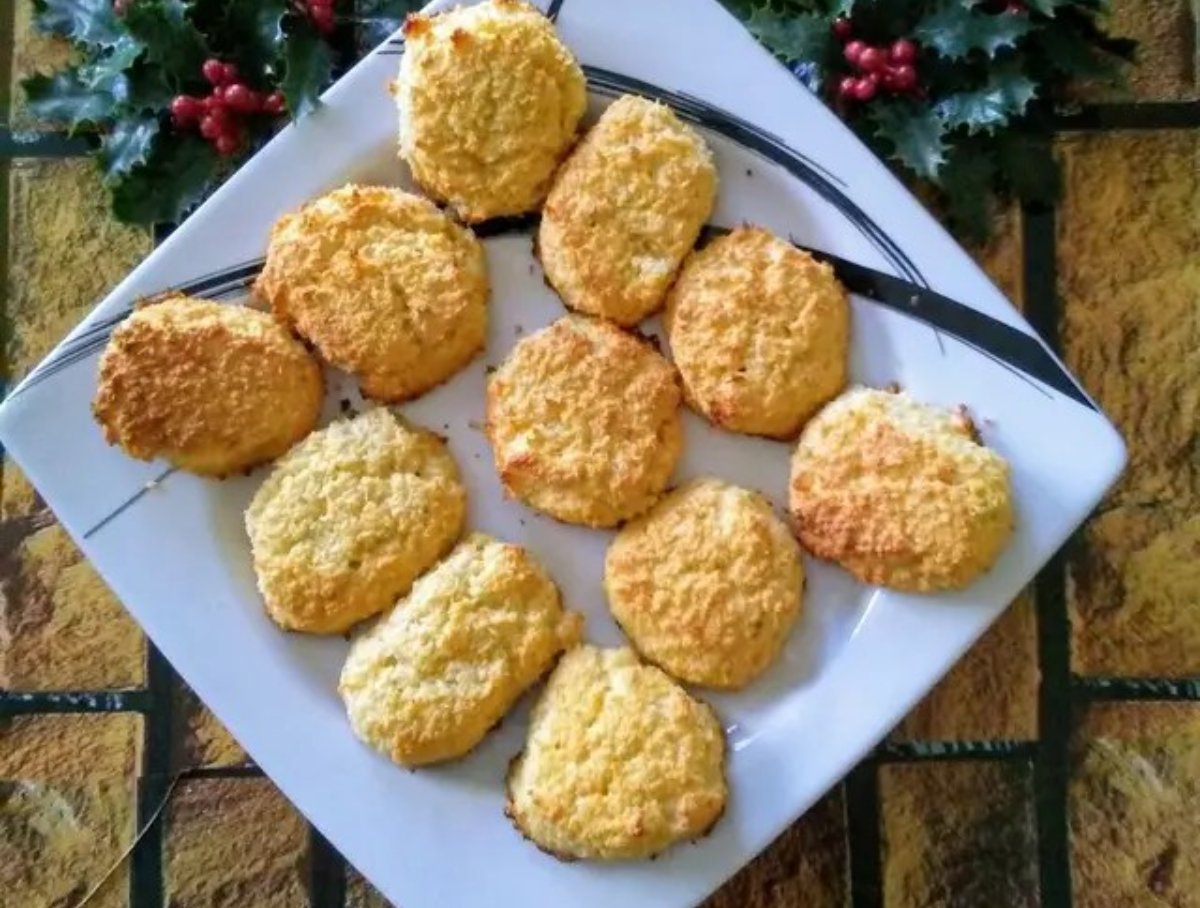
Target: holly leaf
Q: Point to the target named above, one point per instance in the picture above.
(956, 28)
(1046, 7)
(171, 40)
(126, 145)
(308, 66)
(149, 89)
(1070, 53)
(915, 133)
(795, 37)
(378, 20)
(68, 98)
(90, 22)
(1000, 100)
(174, 177)
(258, 27)
(967, 180)
(1027, 166)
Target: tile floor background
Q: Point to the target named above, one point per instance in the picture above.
(1058, 764)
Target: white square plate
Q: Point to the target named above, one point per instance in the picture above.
(177, 556)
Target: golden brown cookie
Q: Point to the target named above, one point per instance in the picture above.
(707, 584)
(385, 285)
(900, 493)
(213, 388)
(489, 102)
(625, 209)
(429, 680)
(759, 331)
(620, 761)
(350, 518)
(584, 422)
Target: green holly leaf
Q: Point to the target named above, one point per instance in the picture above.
(1003, 98)
(915, 134)
(149, 89)
(90, 22)
(1070, 53)
(178, 171)
(258, 27)
(967, 181)
(796, 37)
(67, 98)
(171, 40)
(1027, 166)
(1046, 7)
(109, 71)
(378, 20)
(127, 145)
(308, 66)
(957, 27)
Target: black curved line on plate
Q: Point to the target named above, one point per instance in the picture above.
(129, 502)
(215, 285)
(554, 9)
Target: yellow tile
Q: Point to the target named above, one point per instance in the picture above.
(201, 739)
(992, 693)
(958, 834)
(61, 628)
(1130, 286)
(67, 807)
(1135, 784)
(32, 53)
(804, 868)
(65, 253)
(234, 842)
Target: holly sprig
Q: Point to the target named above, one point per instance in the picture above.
(956, 93)
(173, 94)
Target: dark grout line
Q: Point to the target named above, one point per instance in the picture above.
(327, 872)
(35, 144)
(955, 751)
(111, 701)
(239, 771)
(146, 883)
(1053, 625)
(1109, 689)
(1143, 115)
(862, 833)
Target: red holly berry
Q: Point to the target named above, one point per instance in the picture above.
(121, 7)
(227, 143)
(865, 88)
(872, 60)
(239, 98)
(853, 51)
(214, 71)
(274, 103)
(842, 29)
(904, 78)
(902, 51)
(214, 125)
(1015, 6)
(846, 88)
(229, 74)
(186, 110)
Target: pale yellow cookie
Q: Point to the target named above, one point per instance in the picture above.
(584, 422)
(384, 285)
(707, 584)
(429, 680)
(350, 518)
(900, 493)
(760, 333)
(625, 209)
(489, 102)
(620, 762)
(213, 388)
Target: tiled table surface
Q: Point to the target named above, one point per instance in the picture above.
(1058, 764)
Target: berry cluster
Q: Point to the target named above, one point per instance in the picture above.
(892, 69)
(218, 115)
(320, 12)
